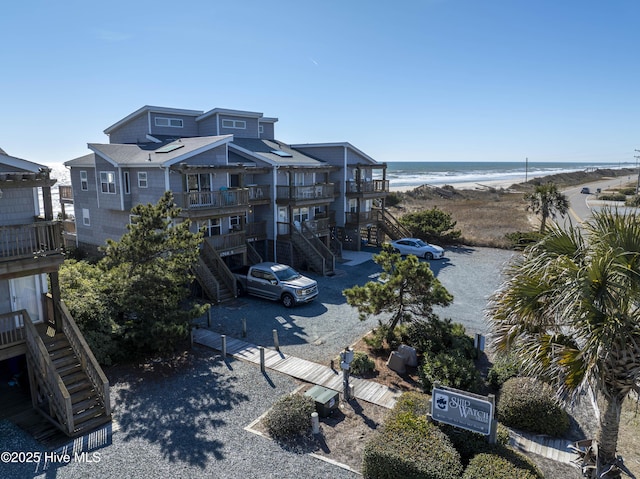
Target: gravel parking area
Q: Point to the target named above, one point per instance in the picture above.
(183, 420)
(318, 331)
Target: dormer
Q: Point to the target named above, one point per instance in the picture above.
(266, 128)
(156, 122)
(240, 124)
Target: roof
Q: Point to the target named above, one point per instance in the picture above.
(265, 150)
(344, 144)
(150, 154)
(19, 164)
(155, 109)
(225, 111)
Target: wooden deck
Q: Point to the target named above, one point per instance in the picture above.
(302, 369)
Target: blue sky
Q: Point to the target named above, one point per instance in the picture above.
(428, 80)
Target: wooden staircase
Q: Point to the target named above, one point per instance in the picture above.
(214, 276)
(68, 386)
(316, 261)
(391, 226)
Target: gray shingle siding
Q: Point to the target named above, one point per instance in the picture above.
(251, 130)
(189, 125)
(135, 131)
(208, 126)
(268, 131)
(17, 206)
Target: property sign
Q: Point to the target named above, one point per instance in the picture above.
(462, 409)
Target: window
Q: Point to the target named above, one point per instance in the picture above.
(235, 222)
(171, 122)
(261, 129)
(127, 183)
(237, 124)
(211, 227)
(86, 221)
(142, 179)
(108, 182)
(300, 215)
(84, 181)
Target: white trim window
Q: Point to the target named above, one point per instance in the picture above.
(235, 222)
(84, 180)
(170, 122)
(236, 124)
(86, 220)
(300, 215)
(142, 179)
(108, 182)
(127, 182)
(212, 227)
(261, 129)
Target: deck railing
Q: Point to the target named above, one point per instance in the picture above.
(27, 241)
(85, 356)
(216, 199)
(11, 329)
(307, 192)
(368, 186)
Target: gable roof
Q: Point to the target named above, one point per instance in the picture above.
(155, 109)
(19, 164)
(149, 154)
(344, 144)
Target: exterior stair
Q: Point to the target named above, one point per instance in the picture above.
(315, 259)
(391, 226)
(214, 276)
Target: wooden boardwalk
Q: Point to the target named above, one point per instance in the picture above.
(302, 369)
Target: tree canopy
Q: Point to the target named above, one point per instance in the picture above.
(407, 288)
(547, 201)
(144, 280)
(569, 309)
(431, 224)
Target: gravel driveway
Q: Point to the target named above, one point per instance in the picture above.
(318, 331)
(189, 421)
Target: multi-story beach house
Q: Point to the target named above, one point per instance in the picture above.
(42, 353)
(255, 197)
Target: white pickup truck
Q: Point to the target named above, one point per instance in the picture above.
(277, 282)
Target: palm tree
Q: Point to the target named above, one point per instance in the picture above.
(570, 309)
(546, 201)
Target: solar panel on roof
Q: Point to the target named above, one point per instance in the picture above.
(281, 153)
(169, 148)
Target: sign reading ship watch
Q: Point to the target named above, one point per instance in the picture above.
(462, 409)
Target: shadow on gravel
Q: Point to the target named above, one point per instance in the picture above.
(176, 404)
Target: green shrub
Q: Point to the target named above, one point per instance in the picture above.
(506, 464)
(469, 443)
(520, 240)
(627, 191)
(377, 341)
(361, 364)
(411, 447)
(453, 370)
(530, 405)
(432, 225)
(612, 197)
(439, 335)
(392, 199)
(290, 416)
(504, 367)
(633, 201)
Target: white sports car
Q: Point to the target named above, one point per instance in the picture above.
(417, 247)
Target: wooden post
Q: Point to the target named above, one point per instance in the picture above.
(276, 343)
(493, 431)
(223, 337)
(261, 358)
(244, 327)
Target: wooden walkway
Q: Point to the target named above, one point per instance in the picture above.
(302, 369)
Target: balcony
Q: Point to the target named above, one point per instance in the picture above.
(259, 194)
(222, 202)
(308, 194)
(364, 217)
(30, 245)
(368, 188)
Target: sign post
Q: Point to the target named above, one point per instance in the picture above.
(463, 409)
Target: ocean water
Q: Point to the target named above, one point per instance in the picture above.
(438, 173)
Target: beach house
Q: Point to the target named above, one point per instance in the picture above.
(43, 355)
(255, 197)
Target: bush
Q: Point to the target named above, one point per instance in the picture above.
(436, 335)
(409, 446)
(530, 405)
(449, 369)
(504, 367)
(361, 364)
(520, 240)
(378, 339)
(469, 443)
(432, 225)
(627, 191)
(612, 197)
(633, 201)
(290, 416)
(392, 199)
(505, 464)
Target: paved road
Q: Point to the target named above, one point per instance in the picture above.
(582, 205)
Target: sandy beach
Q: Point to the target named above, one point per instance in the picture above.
(468, 185)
